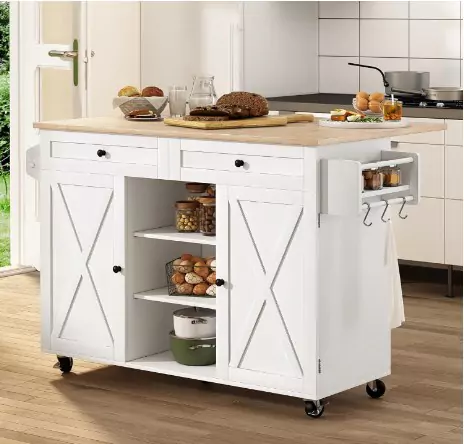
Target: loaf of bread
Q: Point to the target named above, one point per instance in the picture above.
(210, 110)
(129, 91)
(243, 104)
(152, 91)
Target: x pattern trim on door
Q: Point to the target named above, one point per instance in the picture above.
(84, 271)
(267, 278)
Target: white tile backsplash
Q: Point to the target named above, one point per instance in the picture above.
(371, 80)
(435, 39)
(338, 37)
(393, 35)
(344, 9)
(374, 41)
(383, 10)
(442, 72)
(335, 76)
(435, 10)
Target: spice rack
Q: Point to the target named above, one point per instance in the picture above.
(342, 183)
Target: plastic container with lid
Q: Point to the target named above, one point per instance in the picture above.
(391, 176)
(373, 179)
(208, 216)
(187, 216)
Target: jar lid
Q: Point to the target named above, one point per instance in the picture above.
(208, 201)
(187, 204)
(195, 187)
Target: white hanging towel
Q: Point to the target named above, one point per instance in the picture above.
(397, 309)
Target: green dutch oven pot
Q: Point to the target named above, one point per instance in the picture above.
(193, 351)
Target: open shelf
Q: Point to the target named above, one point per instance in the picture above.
(164, 363)
(389, 190)
(170, 233)
(162, 295)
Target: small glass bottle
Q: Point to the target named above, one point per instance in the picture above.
(391, 176)
(373, 179)
(208, 216)
(187, 216)
(392, 110)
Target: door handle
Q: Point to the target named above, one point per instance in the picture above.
(72, 56)
(63, 54)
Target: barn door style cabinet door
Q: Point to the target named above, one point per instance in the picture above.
(83, 284)
(269, 340)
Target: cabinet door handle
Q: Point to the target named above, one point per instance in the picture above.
(220, 282)
(117, 269)
(101, 153)
(239, 163)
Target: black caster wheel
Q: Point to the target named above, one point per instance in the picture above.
(64, 363)
(376, 389)
(314, 409)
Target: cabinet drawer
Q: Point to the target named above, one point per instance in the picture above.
(431, 170)
(453, 172)
(432, 138)
(104, 159)
(453, 133)
(453, 232)
(421, 236)
(242, 169)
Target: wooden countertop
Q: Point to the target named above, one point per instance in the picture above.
(299, 134)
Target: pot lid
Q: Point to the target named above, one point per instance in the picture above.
(195, 312)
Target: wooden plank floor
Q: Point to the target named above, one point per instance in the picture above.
(114, 405)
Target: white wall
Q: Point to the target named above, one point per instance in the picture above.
(392, 35)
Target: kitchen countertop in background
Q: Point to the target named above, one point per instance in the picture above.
(323, 103)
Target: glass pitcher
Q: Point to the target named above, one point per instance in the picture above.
(203, 92)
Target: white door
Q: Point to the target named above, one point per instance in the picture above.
(82, 304)
(268, 297)
(50, 87)
(54, 88)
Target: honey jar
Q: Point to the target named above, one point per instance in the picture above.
(391, 176)
(373, 179)
(392, 110)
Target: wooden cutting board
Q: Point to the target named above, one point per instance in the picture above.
(241, 123)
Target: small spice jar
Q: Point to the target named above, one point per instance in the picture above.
(373, 179)
(391, 176)
(187, 216)
(195, 190)
(208, 216)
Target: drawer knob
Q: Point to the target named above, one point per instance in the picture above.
(220, 282)
(101, 153)
(239, 163)
(117, 269)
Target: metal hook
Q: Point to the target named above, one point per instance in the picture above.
(402, 206)
(384, 211)
(367, 214)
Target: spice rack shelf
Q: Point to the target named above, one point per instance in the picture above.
(170, 233)
(384, 191)
(162, 295)
(342, 192)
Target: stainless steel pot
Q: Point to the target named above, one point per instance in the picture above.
(195, 323)
(440, 94)
(401, 82)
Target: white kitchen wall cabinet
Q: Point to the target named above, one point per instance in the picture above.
(420, 237)
(245, 45)
(453, 232)
(86, 298)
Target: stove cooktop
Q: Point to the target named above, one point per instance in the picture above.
(419, 102)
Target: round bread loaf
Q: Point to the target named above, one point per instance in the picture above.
(246, 104)
(129, 91)
(152, 91)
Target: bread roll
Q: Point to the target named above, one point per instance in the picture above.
(362, 95)
(185, 267)
(211, 278)
(377, 97)
(201, 269)
(186, 257)
(362, 104)
(200, 289)
(193, 278)
(184, 288)
(152, 91)
(375, 107)
(177, 278)
(129, 91)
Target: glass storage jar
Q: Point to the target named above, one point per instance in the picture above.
(208, 216)
(392, 110)
(196, 190)
(373, 179)
(391, 176)
(187, 216)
